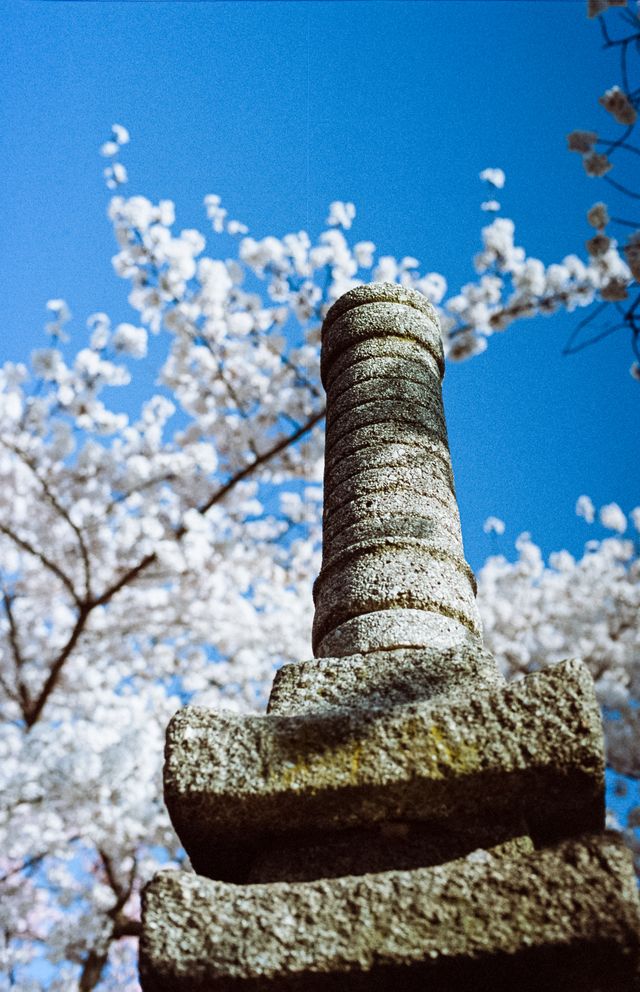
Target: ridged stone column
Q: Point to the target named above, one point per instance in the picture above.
(393, 569)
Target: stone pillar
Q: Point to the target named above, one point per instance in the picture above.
(401, 818)
(393, 568)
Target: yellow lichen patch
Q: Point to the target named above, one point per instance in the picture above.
(450, 755)
(412, 749)
(335, 766)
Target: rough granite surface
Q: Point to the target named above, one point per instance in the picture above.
(563, 918)
(376, 292)
(399, 455)
(533, 746)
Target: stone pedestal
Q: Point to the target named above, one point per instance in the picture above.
(400, 819)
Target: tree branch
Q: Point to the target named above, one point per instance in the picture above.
(147, 484)
(594, 340)
(121, 893)
(621, 188)
(583, 323)
(18, 659)
(54, 673)
(59, 508)
(127, 927)
(32, 861)
(44, 559)
(262, 459)
(92, 969)
(123, 926)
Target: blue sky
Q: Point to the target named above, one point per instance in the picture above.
(281, 107)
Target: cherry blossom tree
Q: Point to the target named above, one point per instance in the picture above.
(155, 559)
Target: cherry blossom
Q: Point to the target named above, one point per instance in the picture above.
(495, 177)
(612, 517)
(586, 509)
(494, 525)
(538, 612)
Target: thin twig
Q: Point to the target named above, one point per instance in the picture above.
(621, 188)
(594, 340)
(583, 323)
(18, 658)
(618, 144)
(626, 223)
(59, 508)
(257, 462)
(44, 559)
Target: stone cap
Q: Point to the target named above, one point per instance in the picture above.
(379, 299)
(380, 292)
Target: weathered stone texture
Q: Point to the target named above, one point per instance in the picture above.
(378, 318)
(534, 745)
(563, 918)
(379, 292)
(391, 531)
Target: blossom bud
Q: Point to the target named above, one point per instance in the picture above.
(598, 216)
(617, 103)
(585, 508)
(598, 245)
(595, 7)
(612, 517)
(596, 164)
(495, 177)
(466, 345)
(614, 291)
(581, 141)
(493, 525)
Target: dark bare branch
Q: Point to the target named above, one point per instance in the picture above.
(260, 460)
(92, 969)
(18, 659)
(127, 928)
(37, 704)
(59, 508)
(121, 497)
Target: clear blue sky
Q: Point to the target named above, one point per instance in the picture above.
(281, 107)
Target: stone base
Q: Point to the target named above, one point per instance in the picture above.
(234, 784)
(562, 918)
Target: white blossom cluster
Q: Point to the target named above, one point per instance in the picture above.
(276, 282)
(140, 569)
(203, 300)
(115, 174)
(536, 613)
(513, 286)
